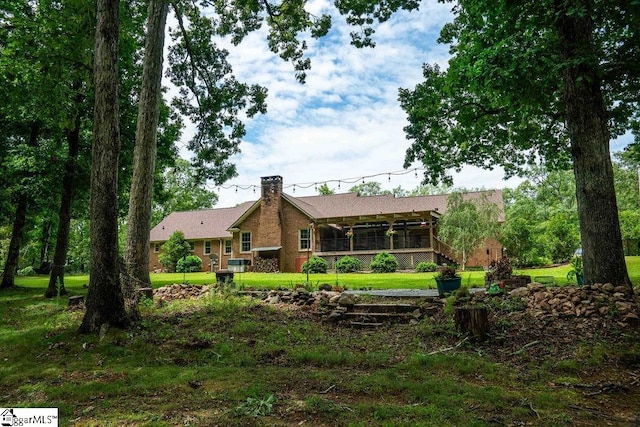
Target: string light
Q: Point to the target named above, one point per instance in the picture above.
(314, 184)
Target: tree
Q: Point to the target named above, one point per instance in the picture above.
(467, 224)
(547, 82)
(173, 250)
(105, 303)
(136, 253)
(325, 190)
(540, 218)
(181, 189)
(370, 188)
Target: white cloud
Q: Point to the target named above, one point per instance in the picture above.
(345, 123)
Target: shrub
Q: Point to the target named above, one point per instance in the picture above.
(384, 262)
(425, 267)
(189, 264)
(27, 271)
(315, 264)
(174, 250)
(348, 264)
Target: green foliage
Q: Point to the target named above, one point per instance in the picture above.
(348, 264)
(467, 223)
(256, 407)
(370, 188)
(384, 262)
(576, 269)
(190, 264)
(315, 264)
(174, 250)
(27, 271)
(541, 218)
(426, 267)
(447, 272)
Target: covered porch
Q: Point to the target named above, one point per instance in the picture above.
(411, 237)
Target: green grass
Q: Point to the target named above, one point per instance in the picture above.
(216, 360)
(399, 280)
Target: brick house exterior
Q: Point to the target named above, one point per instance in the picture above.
(284, 230)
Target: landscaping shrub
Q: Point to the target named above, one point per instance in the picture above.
(190, 264)
(384, 262)
(27, 271)
(426, 267)
(348, 264)
(315, 264)
(174, 250)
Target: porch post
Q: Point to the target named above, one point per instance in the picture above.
(431, 231)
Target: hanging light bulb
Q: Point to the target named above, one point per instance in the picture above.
(338, 185)
(389, 177)
(236, 188)
(415, 171)
(294, 188)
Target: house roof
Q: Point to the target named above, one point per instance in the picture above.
(202, 224)
(353, 205)
(214, 223)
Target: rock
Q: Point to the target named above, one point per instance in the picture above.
(621, 289)
(347, 299)
(335, 316)
(520, 292)
(608, 287)
(334, 299)
(273, 299)
(325, 287)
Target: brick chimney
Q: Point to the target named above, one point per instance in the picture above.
(270, 231)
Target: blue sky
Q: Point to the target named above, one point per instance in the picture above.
(345, 123)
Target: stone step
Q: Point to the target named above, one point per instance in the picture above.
(383, 308)
(363, 325)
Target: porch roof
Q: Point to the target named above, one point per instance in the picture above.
(340, 207)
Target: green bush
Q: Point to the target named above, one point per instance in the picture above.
(384, 262)
(190, 264)
(315, 264)
(27, 271)
(174, 250)
(426, 267)
(348, 264)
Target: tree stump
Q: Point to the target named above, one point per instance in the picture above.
(76, 300)
(146, 292)
(472, 320)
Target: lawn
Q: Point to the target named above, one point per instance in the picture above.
(399, 280)
(234, 361)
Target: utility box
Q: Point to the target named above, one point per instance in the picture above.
(238, 265)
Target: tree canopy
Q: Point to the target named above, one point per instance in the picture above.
(536, 83)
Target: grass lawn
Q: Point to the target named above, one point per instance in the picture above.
(398, 280)
(232, 361)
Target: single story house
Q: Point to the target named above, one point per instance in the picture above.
(280, 232)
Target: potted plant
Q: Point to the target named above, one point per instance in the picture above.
(447, 279)
(576, 273)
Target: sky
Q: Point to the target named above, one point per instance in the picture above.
(344, 126)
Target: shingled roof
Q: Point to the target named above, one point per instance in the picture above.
(202, 224)
(214, 223)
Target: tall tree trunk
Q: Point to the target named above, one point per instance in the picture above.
(46, 239)
(136, 252)
(11, 265)
(105, 304)
(64, 215)
(586, 118)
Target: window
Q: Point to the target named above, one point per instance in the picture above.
(227, 247)
(156, 248)
(304, 239)
(245, 242)
(192, 246)
(207, 247)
